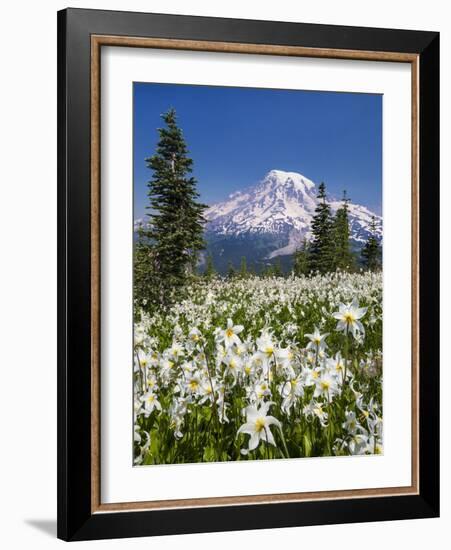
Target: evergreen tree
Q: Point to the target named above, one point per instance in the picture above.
(343, 258)
(143, 268)
(371, 252)
(209, 268)
(268, 270)
(174, 236)
(277, 269)
(231, 272)
(301, 260)
(321, 247)
(243, 267)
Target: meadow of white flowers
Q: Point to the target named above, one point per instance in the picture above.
(261, 368)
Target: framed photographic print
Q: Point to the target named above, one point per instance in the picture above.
(248, 274)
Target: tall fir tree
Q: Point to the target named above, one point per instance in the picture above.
(210, 271)
(321, 256)
(231, 271)
(343, 258)
(301, 260)
(174, 234)
(267, 271)
(277, 268)
(243, 267)
(371, 252)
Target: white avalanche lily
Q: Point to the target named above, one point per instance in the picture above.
(176, 351)
(193, 385)
(348, 316)
(194, 335)
(195, 365)
(265, 344)
(234, 364)
(290, 391)
(315, 409)
(150, 402)
(336, 366)
(326, 386)
(317, 340)
(230, 335)
(257, 426)
(357, 443)
(351, 425)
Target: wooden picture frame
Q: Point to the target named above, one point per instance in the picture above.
(81, 35)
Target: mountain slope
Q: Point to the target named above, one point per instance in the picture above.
(275, 215)
(269, 220)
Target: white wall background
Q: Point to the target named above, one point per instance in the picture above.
(28, 270)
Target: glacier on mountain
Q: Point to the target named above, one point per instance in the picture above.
(281, 204)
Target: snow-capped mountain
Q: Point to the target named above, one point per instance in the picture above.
(278, 210)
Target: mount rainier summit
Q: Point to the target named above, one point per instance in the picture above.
(272, 218)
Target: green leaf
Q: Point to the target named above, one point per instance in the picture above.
(154, 443)
(307, 445)
(209, 454)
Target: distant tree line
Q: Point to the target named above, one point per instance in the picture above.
(330, 246)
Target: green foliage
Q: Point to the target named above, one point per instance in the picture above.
(371, 252)
(321, 257)
(343, 258)
(143, 267)
(277, 269)
(267, 271)
(231, 271)
(243, 268)
(210, 271)
(329, 248)
(168, 247)
(301, 260)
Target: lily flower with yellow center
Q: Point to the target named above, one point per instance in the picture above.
(348, 316)
(193, 385)
(207, 391)
(291, 390)
(230, 335)
(326, 386)
(336, 366)
(194, 335)
(176, 350)
(249, 368)
(317, 340)
(351, 425)
(315, 410)
(150, 403)
(234, 364)
(265, 344)
(262, 390)
(257, 426)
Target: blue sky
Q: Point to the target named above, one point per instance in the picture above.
(236, 135)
